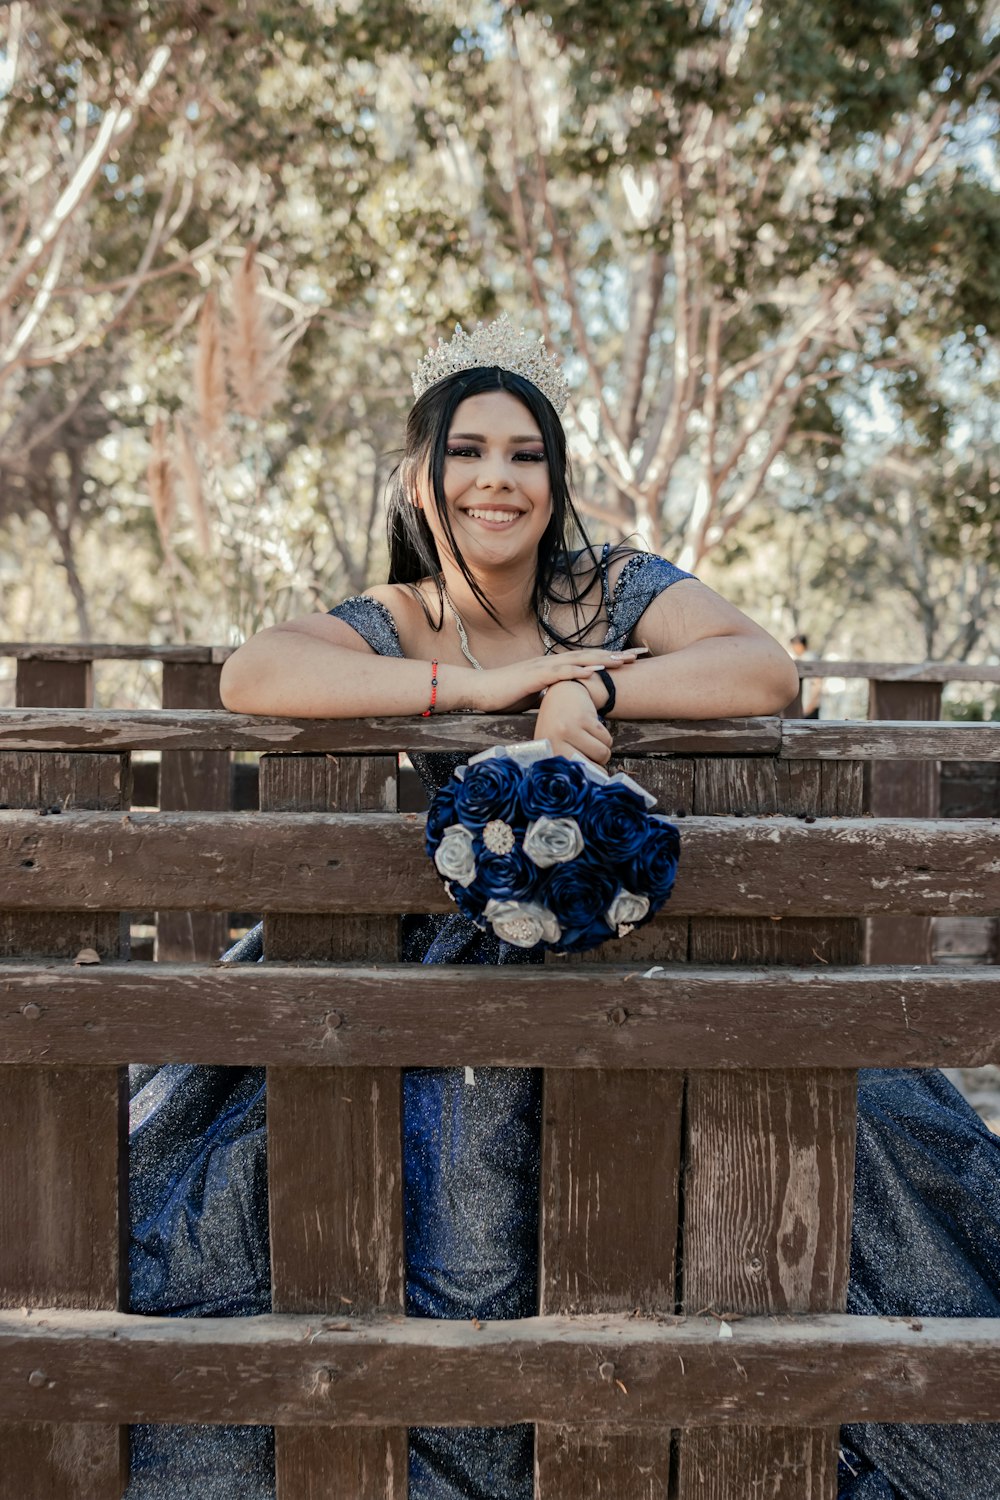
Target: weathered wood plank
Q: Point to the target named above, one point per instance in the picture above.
(901, 671)
(902, 789)
(580, 1017)
(91, 651)
(153, 729)
(798, 1463)
(611, 1146)
(51, 683)
(192, 780)
(157, 729)
(769, 1157)
(63, 1216)
(940, 671)
(284, 862)
(334, 1152)
(828, 739)
(771, 1372)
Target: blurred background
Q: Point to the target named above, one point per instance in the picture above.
(765, 236)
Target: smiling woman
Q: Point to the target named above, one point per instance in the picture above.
(496, 601)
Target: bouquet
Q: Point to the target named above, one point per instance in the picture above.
(549, 851)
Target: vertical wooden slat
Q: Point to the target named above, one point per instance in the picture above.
(192, 781)
(334, 1152)
(54, 684)
(610, 1172)
(769, 1157)
(63, 1215)
(903, 789)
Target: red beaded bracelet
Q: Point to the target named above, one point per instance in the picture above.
(434, 692)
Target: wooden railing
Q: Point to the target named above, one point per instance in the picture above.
(708, 1059)
(61, 676)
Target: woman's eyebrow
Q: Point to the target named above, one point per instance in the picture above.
(479, 437)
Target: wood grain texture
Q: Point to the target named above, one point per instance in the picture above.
(51, 683)
(63, 1213)
(367, 1373)
(158, 729)
(90, 651)
(902, 671)
(894, 671)
(283, 862)
(601, 1463)
(611, 1144)
(759, 1463)
(769, 1156)
(335, 1151)
(616, 1016)
(902, 789)
(192, 780)
(115, 729)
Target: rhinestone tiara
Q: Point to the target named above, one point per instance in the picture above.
(497, 343)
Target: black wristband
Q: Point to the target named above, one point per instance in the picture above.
(609, 683)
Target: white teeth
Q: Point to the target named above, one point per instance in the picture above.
(493, 515)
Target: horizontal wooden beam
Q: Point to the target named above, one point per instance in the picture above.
(880, 671)
(189, 729)
(790, 739)
(324, 862)
(596, 1016)
(109, 651)
(831, 739)
(622, 1371)
(901, 671)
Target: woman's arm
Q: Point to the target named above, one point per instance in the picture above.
(707, 661)
(318, 667)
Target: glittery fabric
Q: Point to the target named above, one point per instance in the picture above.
(926, 1243)
(926, 1225)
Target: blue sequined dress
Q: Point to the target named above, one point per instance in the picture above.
(926, 1229)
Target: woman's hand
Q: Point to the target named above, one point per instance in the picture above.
(568, 719)
(501, 689)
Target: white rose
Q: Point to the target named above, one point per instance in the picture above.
(522, 923)
(552, 841)
(626, 910)
(454, 855)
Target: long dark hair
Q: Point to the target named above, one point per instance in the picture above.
(413, 554)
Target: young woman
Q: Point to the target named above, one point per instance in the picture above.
(496, 602)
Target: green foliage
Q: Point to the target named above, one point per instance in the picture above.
(407, 164)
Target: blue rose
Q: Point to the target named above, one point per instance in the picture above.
(489, 790)
(615, 823)
(652, 868)
(578, 894)
(440, 815)
(555, 788)
(503, 877)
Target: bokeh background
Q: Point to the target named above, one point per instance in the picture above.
(765, 236)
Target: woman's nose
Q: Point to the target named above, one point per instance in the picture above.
(494, 475)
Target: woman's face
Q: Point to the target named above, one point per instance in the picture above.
(496, 482)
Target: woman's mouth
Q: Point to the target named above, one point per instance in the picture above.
(496, 520)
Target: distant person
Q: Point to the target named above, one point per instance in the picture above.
(811, 688)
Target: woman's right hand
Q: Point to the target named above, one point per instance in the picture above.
(503, 689)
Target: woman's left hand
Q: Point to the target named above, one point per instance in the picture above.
(568, 719)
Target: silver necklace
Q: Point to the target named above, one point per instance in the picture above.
(463, 637)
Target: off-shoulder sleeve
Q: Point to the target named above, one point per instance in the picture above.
(372, 621)
(640, 581)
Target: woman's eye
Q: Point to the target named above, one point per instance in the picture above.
(462, 452)
(532, 455)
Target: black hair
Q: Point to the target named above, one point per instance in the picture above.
(413, 554)
(801, 640)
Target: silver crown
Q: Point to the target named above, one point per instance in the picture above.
(497, 343)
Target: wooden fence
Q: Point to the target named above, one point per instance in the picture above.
(61, 676)
(707, 1061)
